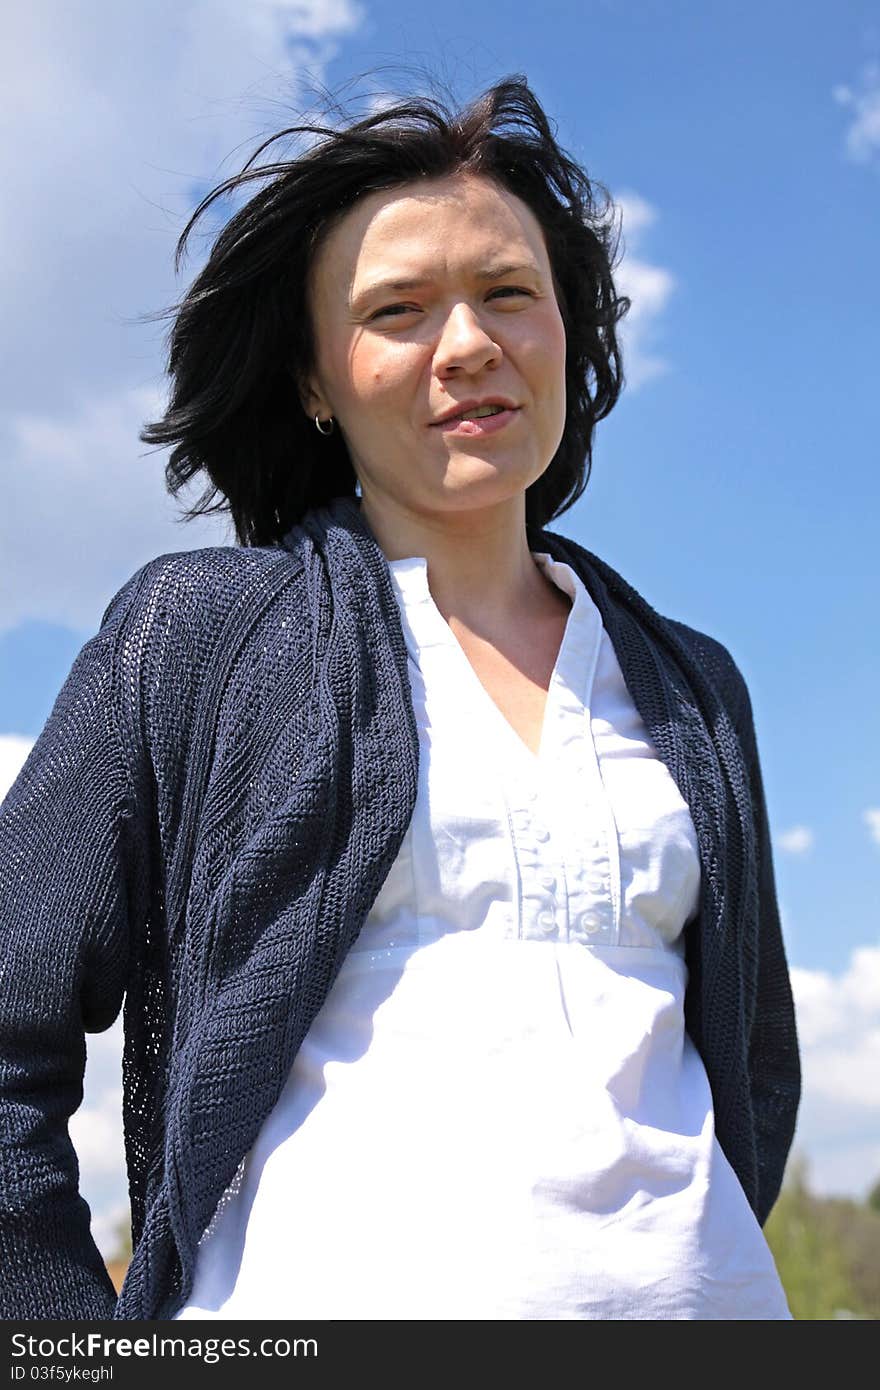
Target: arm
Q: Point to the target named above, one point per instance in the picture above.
(774, 1061)
(66, 877)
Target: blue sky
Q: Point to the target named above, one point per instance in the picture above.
(735, 484)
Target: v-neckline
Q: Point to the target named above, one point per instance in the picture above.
(443, 635)
(495, 714)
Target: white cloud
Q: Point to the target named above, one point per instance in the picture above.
(105, 510)
(109, 1226)
(871, 818)
(14, 748)
(846, 1170)
(797, 840)
(863, 133)
(839, 1030)
(96, 1133)
(648, 286)
(636, 214)
(123, 115)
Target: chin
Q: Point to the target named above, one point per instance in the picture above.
(476, 468)
(491, 480)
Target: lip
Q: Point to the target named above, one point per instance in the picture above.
(477, 429)
(460, 407)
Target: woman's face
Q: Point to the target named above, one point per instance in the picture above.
(426, 300)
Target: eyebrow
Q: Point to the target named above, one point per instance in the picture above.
(416, 282)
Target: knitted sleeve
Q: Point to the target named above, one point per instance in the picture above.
(66, 880)
(774, 1060)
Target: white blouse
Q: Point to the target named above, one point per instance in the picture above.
(497, 1113)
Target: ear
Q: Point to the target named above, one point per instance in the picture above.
(312, 398)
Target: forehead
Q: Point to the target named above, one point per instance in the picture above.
(428, 226)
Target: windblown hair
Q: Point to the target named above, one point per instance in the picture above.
(241, 341)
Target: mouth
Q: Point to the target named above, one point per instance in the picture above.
(480, 420)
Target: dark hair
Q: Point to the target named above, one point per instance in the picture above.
(241, 338)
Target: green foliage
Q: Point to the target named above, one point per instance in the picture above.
(827, 1251)
(813, 1273)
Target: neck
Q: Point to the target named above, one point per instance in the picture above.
(480, 568)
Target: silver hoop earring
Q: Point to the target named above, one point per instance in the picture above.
(319, 425)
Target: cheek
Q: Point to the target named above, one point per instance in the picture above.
(556, 356)
(546, 355)
(557, 340)
(379, 377)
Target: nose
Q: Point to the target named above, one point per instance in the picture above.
(464, 345)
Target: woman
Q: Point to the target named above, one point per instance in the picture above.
(431, 863)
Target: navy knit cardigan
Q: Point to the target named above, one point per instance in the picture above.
(200, 831)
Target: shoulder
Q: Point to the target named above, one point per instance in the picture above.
(718, 666)
(200, 588)
(183, 616)
(191, 625)
(672, 640)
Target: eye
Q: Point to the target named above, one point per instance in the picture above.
(508, 290)
(393, 310)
